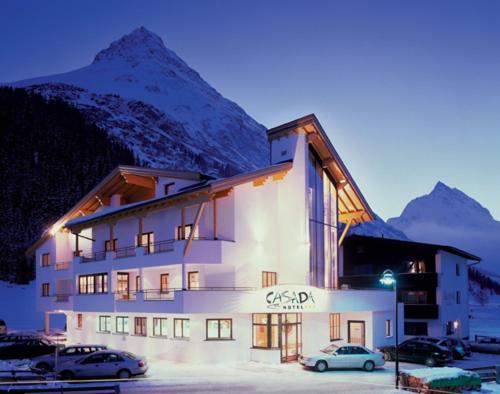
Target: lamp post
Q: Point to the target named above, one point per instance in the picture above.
(388, 279)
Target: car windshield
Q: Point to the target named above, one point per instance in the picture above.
(330, 349)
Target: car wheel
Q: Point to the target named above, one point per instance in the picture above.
(369, 366)
(388, 356)
(430, 362)
(124, 374)
(44, 367)
(67, 375)
(321, 366)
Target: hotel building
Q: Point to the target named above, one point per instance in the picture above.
(185, 267)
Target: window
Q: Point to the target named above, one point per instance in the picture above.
(415, 328)
(219, 329)
(458, 297)
(193, 280)
(449, 328)
(46, 260)
(182, 328)
(159, 327)
(45, 289)
(105, 323)
(79, 321)
(122, 281)
(138, 283)
(94, 283)
(147, 240)
(269, 278)
(265, 330)
(168, 188)
(416, 267)
(140, 326)
(414, 297)
(334, 326)
(457, 269)
(111, 246)
(388, 328)
(122, 324)
(164, 283)
(187, 232)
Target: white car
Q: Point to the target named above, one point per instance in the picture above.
(349, 356)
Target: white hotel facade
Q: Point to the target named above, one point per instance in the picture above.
(183, 267)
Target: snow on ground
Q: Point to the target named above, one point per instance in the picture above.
(431, 374)
(485, 320)
(19, 308)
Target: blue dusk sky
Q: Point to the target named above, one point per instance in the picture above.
(408, 91)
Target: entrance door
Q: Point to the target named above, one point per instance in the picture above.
(356, 332)
(291, 336)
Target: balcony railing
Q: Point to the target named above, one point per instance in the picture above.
(159, 247)
(125, 295)
(62, 265)
(421, 311)
(94, 256)
(158, 295)
(128, 251)
(62, 297)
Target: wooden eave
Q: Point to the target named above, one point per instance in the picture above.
(352, 205)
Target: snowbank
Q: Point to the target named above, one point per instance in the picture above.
(428, 375)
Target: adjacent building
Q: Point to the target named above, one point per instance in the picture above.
(185, 267)
(432, 280)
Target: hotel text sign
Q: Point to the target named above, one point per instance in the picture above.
(287, 299)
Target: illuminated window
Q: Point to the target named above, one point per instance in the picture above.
(147, 240)
(417, 267)
(105, 323)
(46, 260)
(334, 326)
(414, 297)
(94, 283)
(388, 328)
(265, 330)
(140, 326)
(159, 327)
(193, 280)
(269, 278)
(110, 246)
(45, 289)
(182, 328)
(138, 283)
(164, 278)
(122, 324)
(187, 232)
(219, 329)
(79, 321)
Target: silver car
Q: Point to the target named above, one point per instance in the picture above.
(69, 353)
(106, 363)
(349, 356)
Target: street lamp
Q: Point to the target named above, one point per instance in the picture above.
(388, 279)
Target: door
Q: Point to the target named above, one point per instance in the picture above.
(122, 285)
(356, 332)
(291, 336)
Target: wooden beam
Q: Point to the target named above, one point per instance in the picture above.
(222, 193)
(279, 176)
(194, 228)
(346, 217)
(260, 181)
(139, 180)
(344, 233)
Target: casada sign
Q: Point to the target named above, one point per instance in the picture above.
(292, 298)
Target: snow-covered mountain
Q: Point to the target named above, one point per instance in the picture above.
(378, 228)
(448, 216)
(142, 93)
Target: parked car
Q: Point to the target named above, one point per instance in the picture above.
(347, 356)
(105, 363)
(458, 347)
(9, 339)
(3, 327)
(27, 348)
(486, 345)
(419, 352)
(69, 353)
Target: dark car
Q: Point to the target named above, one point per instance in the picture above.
(458, 347)
(26, 349)
(419, 352)
(6, 340)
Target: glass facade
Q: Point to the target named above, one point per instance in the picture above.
(322, 204)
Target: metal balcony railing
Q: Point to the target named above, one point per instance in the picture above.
(158, 295)
(128, 251)
(62, 297)
(125, 295)
(93, 256)
(159, 247)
